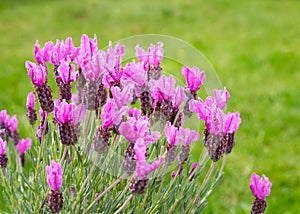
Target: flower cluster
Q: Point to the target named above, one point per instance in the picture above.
(104, 103)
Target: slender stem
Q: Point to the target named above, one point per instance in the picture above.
(64, 154)
(41, 146)
(122, 194)
(223, 165)
(103, 193)
(89, 175)
(209, 173)
(173, 207)
(124, 205)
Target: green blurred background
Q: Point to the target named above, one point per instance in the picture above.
(254, 47)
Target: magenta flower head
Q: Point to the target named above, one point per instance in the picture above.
(54, 175)
(221, 97)
(43, 55)
(188, 136)
(63, 111)
(112, 114)
(66, 71)
(37, 73)
(13, 123)
(172, 134)
(3, 147)
(260, 186)
(153, 56)
(30, 101)
(122, 97)
(194, 78)
(165, 87)
(142, 167)
(23, 145)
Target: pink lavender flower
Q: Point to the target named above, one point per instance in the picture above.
(153, 56)
(138, 128)
(194, 78)
(172, 134)
(188, 136)
(66, 71)
(122, 98)
(111, 114)
(221, 97)
(260, 186)
(178, 97)
(23, 145)
(43, 55)
(88, 48)
(4, 118)
(142, 167)
(37, 73)
(30, 101)
(165, 87)
(3, 147)
(134, 112)
(12, 124)
(54, 175)
(216, 120)
(135, 73)
(113, 72)
(63, 111)
(79, 112)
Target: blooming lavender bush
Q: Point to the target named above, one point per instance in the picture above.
(115, 138)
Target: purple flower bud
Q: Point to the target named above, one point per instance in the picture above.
(54, 175)
(173, 174)
(260, 187)
(195, 166)
(23, 145)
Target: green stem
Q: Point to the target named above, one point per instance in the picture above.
(124, 205)
(41, 147)
(103, 193)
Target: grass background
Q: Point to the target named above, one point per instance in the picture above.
(253, 45)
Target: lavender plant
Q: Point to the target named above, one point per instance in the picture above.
(116, 135)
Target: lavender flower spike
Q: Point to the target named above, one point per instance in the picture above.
(260, 187)
(55, 199)
(54, 175)
(31, 113)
